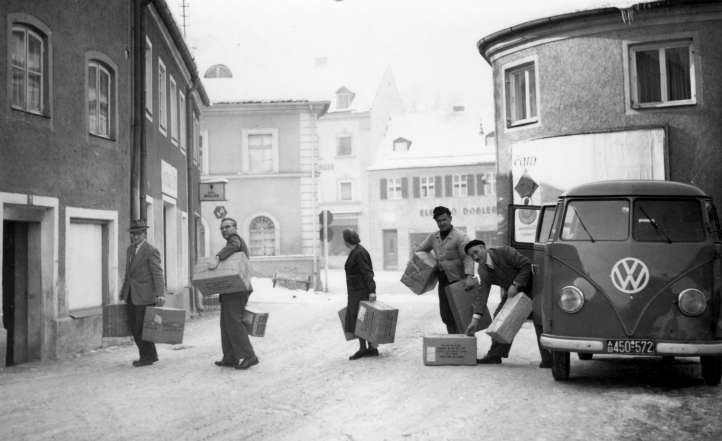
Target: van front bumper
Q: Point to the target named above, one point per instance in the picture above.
(568, 344)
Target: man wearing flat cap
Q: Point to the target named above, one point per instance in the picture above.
(143, 286)
(453, 264)
(511, 271)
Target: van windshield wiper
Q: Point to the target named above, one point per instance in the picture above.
(586, 230)
(654, 223)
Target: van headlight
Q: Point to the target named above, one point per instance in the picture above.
(571, 300)
(691, 302)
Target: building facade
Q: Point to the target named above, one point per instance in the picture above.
(349, 135)
(426, 160)
(607, 94)
(68, 157)
(265, 154)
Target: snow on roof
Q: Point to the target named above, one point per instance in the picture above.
(438, 139)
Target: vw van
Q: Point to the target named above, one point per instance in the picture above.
(629, 268)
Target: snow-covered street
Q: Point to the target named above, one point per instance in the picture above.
(305, 388)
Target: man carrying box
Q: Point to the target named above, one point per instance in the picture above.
(509, 269)
(448, 244)
(237, 349)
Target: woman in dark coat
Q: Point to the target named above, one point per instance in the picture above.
(360, 286)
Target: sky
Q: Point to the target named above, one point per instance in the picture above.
(430, 45)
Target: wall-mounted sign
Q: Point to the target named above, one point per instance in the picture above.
(169, 179)
(220, 212)
(213, 191)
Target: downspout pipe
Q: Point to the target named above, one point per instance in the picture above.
(138, 172)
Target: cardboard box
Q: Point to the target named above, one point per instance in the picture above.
(115, 320)
(421, 273)
(342, 316)
(449, 349)
(232, 275)
(460, 301)
(164, 325)
(376, 322)
(255, 322)
(509, 320)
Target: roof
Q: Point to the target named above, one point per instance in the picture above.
(317, 107)
(634, 187)
(438, 139)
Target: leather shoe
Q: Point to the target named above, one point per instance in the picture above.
(489, 359)
(358, 354)
(247, 362)
(224, 363)
(139, 363)
(372, 352)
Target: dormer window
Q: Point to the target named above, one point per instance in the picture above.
(401, 145)
(344, 97)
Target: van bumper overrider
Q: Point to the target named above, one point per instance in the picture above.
(662, 348)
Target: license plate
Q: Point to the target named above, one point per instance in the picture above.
(630, 347)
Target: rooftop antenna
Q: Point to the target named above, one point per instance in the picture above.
(184, 16)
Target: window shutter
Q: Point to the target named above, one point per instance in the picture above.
(437, 187)
(417, 187)
(449, 186)
(480, 184)
(404, 187)
(382, 187)
(470, 185)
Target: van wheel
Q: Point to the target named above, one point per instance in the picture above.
(711, 369)
(560, 365)
(585, 355)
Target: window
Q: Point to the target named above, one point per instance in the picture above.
(393, 188)
(460, 185)
(713, 220)
(427, 187)
(260, 150)
(100, 99)
(182, 121)
(148, 78)
(668, 221)
(28, 69)
(520, 93)
(173, 92)
(596, 220)
(343, 146)
(162, 100)
(197, 141)
(401, 145)
(345, 191)
(262, 237)
(662, 74)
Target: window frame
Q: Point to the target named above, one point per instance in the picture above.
(531, 121)
(350, 146)
(393, 189)
(173, 114)
(148, 80)
(661, 46)
(459, 182)
(571, 202)
(162, 98)
(182, 135)
(276, 234)
(101, 67)
(427, 183)
(340, 185)
(197, 142)
(245, 156)
(28, 30)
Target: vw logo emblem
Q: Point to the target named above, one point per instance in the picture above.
(630, 275)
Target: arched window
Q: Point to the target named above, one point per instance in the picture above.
(262, 234)
(27, 58)
(101, 99)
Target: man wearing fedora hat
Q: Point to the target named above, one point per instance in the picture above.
(143, 286)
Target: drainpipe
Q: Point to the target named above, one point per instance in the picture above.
(138, 172)
(190, 191)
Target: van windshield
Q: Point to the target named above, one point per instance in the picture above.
(668, 220)
(596, 220)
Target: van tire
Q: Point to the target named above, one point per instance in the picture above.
(711, 369)
(585, 355)
(560, 365)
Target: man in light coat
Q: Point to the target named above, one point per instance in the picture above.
(143, 286)
(453, 263)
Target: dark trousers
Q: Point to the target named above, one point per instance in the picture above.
(136, 315)
(502, 349)
(234, 336)
(444, 309)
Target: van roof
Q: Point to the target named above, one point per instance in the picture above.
(635, 187)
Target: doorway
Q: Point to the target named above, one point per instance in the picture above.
(21, 291)
(391, 253)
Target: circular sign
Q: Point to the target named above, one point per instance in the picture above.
(630, 275)
(220, 212)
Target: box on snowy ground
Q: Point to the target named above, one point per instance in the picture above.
(508, 321)
(255, 322)
(376, 322)
(460, 301)
(449, 349)
(421, 274)
(231, 275)
(342, 316)
(164, 325)
(115, 320)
